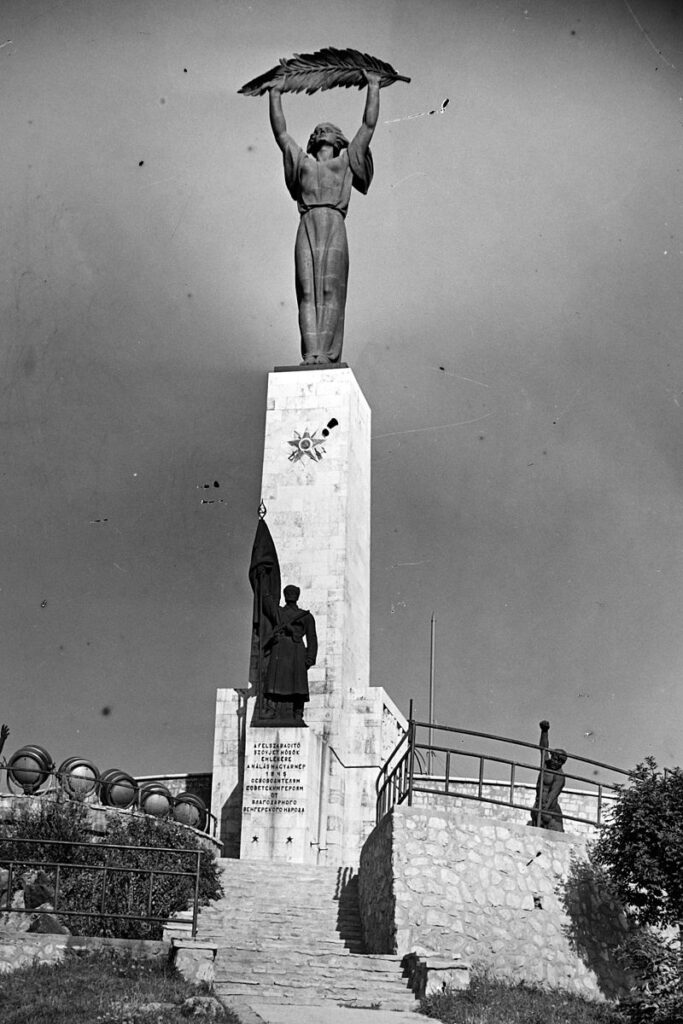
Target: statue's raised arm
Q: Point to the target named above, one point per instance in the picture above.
(320, 181)
(277, 117)
(371, 113)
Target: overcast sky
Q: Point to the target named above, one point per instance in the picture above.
(513, 318)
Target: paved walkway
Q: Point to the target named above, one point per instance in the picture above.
(323, 1013)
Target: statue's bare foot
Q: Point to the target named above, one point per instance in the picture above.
(310, 359)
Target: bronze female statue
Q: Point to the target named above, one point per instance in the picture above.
(320, 181)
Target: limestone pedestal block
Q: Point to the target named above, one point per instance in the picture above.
(316, 488)
(281, 795)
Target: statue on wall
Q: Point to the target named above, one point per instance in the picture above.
(320, 181)
(546, 812)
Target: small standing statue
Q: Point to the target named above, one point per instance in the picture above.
(320, 181)
(289, 658)
(546, 812)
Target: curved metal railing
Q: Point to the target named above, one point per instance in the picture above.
(419, 765)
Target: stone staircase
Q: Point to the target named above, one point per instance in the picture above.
(290, 933)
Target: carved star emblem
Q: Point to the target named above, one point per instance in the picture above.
(306, 445)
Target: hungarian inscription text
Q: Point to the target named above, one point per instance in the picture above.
(274, 779)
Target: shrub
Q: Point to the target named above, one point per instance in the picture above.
(128, 892)
(642, 845)
(657, 998)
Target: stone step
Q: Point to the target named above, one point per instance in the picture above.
(327, 916)
(294, 900)
(360, 961)
(386, 986)
(258, 942)
(311, 996)
(348, 989)
(284, 948)
(243, 910)
(277, 871)
(311, 936)
(264, 926)
(290, 933)
(240, 974)
(334, 967)
(280, 983)
(321, 923)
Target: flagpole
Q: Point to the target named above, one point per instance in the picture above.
(432, 639)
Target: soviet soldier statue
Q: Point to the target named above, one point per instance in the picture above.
(292, 649)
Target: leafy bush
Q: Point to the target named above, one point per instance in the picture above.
(642, 845)
(657, 998)
(128, 892)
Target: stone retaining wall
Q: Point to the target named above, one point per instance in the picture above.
(17, 949)
(520, 900)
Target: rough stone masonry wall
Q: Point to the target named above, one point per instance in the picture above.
(517, 899)
(18, 949)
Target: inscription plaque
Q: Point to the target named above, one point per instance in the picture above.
(280, 805)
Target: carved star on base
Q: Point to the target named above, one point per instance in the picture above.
(306, 445)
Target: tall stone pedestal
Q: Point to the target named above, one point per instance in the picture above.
(316, 489)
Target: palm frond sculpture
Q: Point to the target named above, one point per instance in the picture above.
(324, 69)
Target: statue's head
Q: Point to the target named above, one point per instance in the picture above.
(291, 592)
(557, 757)
(327, 133)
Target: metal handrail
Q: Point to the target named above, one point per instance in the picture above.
(398, 781)
(107, 868)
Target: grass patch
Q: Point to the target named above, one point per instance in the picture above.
(102, 987)
(490, 1001)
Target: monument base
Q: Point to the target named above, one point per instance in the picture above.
(330, 770)
(307, 795)
(281, 794)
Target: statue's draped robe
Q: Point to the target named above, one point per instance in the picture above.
(322, 191)
(289, 657)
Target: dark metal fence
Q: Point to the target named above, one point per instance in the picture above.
(419, 765)
(101, 874)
